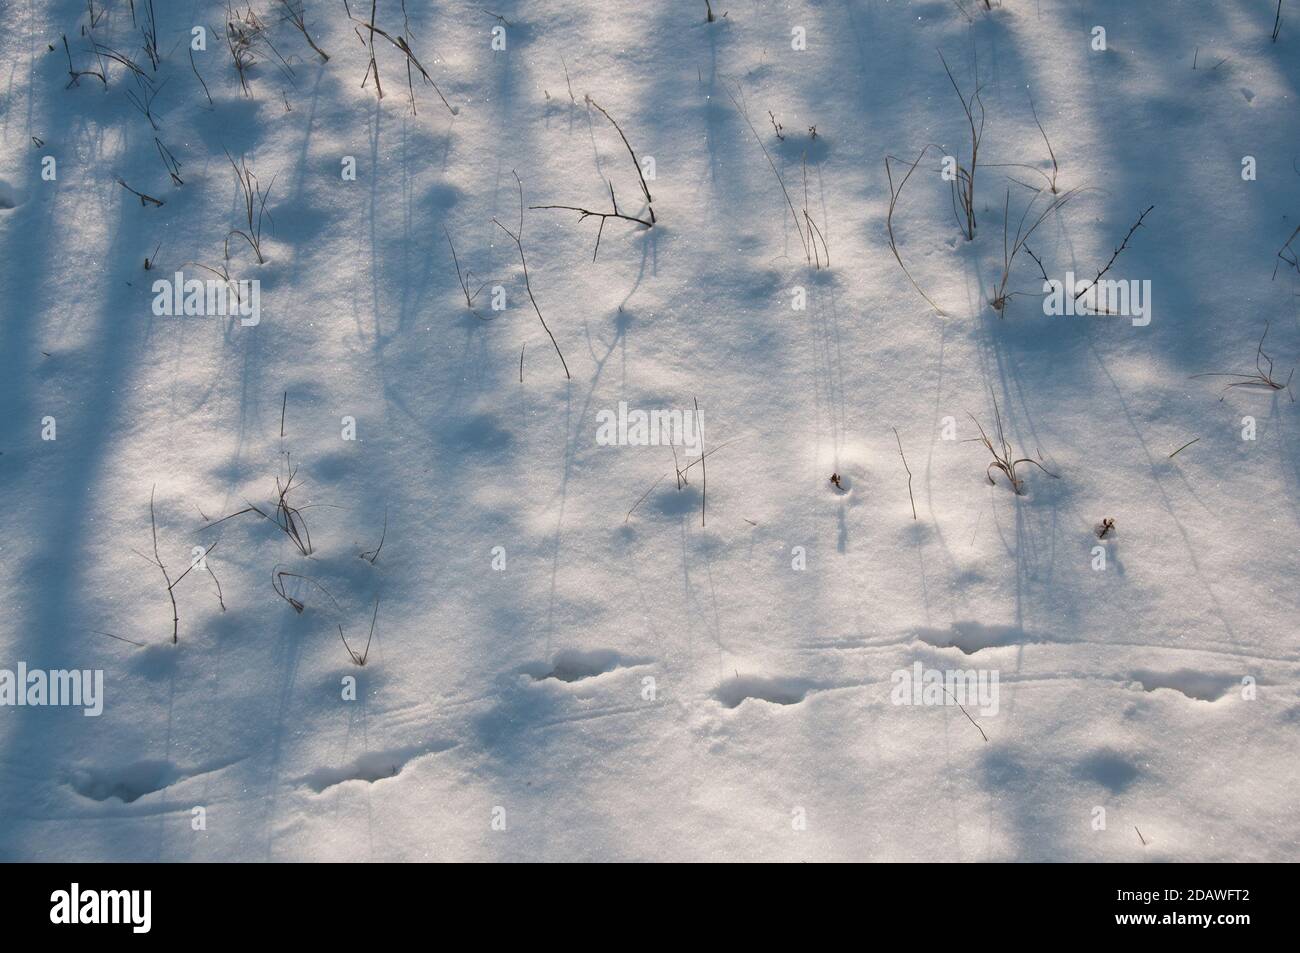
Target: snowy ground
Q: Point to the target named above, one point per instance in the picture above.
(645, 687)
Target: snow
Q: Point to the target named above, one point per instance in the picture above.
(550, 677)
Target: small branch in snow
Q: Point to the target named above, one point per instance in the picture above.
(517, 237)
(144, 199)
(909, 472)
(1261, 378)
(1115, 254)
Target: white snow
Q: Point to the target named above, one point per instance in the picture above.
(614, 687)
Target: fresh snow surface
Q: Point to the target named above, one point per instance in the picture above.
(551, 678)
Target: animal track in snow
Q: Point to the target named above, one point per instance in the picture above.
(372, 766)
(1110, 769)
(134, 781)
(1203, 686)
(574, 665)
(126, 784)
(970, 637)
(778, 691)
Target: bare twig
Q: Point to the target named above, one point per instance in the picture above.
(584, 213)
(294, 13)
(157, 561)
(963, 185)
(143, 100)
(1055, 168)
(1114, 255)
(518, 240)
(999, 296)
(567, 82)
(1288, 254)
(287, 517)
(814, 233)
(400, 42)
(76, 74)
(1003, 455)
(216, 581)
(909, 472)
(150, 31)
(645, 189)
(119, 638)
(360, 659)
(803, 238)
(200, 78)
(465, 278)
(1261, 378)
(371, 555)
(681, 473)
(965, 712)
(254, 202)
(107, 52)
(144, 199)
(169, 161)
(277, 583)
(643, 496)
(246, 39)
(894, 194)
(704, 470)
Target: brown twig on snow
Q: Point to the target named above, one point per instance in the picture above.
(966, 713)
(894, 195)
(157, 561)
(76, 74)
(1294, 260)
(254, 203)
(518, 240)
(360, 659)
(1000, 295)
(584, 213)
(803, 238)
(963, 185)
(295, 14)
(144, 199)
(287, 517)
(1003, 454)
(909, 472)
(371, 555)
(1115, 254)
(277, 583)
(465, 278)
(704, 470)
(400, 42)
(1261, 377)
